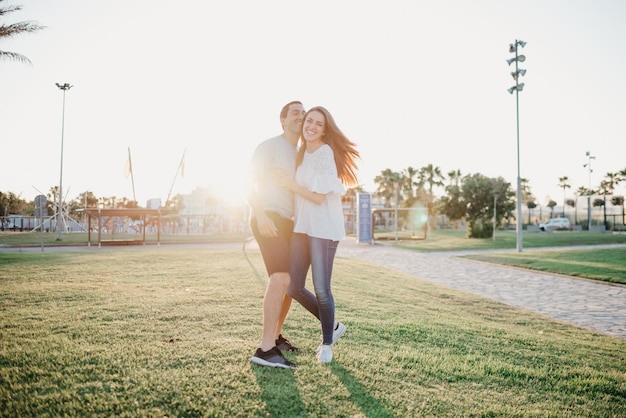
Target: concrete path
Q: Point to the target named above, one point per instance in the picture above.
(593, 305)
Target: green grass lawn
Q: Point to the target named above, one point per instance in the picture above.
(149, 331)
(607, 264)
(456, 240)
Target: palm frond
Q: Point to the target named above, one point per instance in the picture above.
(14, 56)
(9, 9)
(20, 27)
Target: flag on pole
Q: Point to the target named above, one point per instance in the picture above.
(129, 171)
(129, 166)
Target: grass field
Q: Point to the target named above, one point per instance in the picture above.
(167, 331)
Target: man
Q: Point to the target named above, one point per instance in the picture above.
(272, 225)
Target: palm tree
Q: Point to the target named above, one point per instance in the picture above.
(619, 201)
(432, 176)
(14, 29)
(605, 189)
(386, 181)
(551, 204)
(608, 185)
(530, 204)
(454, 177)
(563, 184)
(407, 185)
(572, 203)
(582, 191)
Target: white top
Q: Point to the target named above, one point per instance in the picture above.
(273, 155)
(318, 173)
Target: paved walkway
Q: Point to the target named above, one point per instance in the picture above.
(593, 305)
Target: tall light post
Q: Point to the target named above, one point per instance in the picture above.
(495, 202)
(517, 88)
(396, 186)
(589, 192)
(65, 87)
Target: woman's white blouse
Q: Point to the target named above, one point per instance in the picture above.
(318, 173)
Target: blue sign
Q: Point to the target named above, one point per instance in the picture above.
(364, 217)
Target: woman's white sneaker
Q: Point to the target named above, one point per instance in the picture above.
(339, 330)
(324, 353)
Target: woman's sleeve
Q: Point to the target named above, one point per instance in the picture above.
(325, 180)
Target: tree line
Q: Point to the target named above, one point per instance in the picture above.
(473, 198)
(477, 199)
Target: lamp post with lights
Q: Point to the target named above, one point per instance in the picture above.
(65, 87)
(589, 192)
(517, 88)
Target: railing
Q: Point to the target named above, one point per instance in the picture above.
(414, 219)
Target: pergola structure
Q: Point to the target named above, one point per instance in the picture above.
(143, 214)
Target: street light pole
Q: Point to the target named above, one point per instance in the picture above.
(65, 87)
(517, 88)
(495, 199)
(589, 192)
(395, 188)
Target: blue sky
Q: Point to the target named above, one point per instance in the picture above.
(412, 82)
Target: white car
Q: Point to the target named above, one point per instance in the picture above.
(555, 223)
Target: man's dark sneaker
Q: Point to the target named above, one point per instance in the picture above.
(283, 344)
(272, 358)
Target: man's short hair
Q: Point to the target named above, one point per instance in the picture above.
(285, 109)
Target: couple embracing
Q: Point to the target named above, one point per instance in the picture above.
(297, 221)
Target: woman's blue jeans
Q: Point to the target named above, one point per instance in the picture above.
(319, 254)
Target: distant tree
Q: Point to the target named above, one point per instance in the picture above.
(530, 204)
(432, 177)
(12, 204)
(349, 197)
(408, 185)
(564, 184)
(598, 203)
(526, 193)
(608, 185)
(177, 202)
(611, 180)
(572, 203)
(452, 204)
(15, 29)
(386, 182)
(551, 204)
(351, 193)
(583, 191)
(605, 189)
(478, 193)
(53, 200)
(619, 201)
(454, 177)
(87, 200)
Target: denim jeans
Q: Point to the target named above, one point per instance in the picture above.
(319, 254)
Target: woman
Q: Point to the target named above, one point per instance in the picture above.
(325, 164)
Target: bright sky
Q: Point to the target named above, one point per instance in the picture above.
(412, 82)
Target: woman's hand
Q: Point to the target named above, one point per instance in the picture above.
(284, 180)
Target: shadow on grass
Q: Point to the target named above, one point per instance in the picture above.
(359, 394)
(279, 392)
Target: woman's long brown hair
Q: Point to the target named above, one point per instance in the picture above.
(346, 154)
